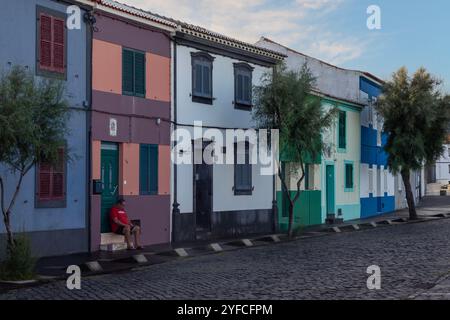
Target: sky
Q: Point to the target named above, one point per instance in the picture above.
(413, 33)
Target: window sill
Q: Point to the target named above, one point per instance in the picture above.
(243, 106)
(131, 94)
(243, 192)
(342, 150)
(49, 73)
(348, 190)
(51, 204)
(203, 100)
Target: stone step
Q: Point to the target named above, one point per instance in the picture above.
(112, 242)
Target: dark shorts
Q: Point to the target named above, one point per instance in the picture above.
(120, 230)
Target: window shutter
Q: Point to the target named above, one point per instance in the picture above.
(198, 82)
(153, 169)
(44, 181)
(58, 44)
(206, 81)
(127, 72)
(58, 177)
(239, 88)
(139, 74)
(342, 129)
(45, 59)
(144, 169)
(247, 89)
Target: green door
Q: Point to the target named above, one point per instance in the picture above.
(110, 174)
(330, 190)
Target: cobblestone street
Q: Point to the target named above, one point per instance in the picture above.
(412, 258)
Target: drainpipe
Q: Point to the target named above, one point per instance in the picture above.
(175, 205)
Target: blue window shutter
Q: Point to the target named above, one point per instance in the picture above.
(342, 129)
(247, 89)
(206, 81)
(127, 72)
(198, 82)
(139, 74)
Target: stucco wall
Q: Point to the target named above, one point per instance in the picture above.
(18, 43)
(221, 114)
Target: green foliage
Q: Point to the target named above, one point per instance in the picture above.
(20, 264)
(33, 119)
(416, 117)
(285, 101)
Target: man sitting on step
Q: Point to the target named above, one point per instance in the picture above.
(120, 224)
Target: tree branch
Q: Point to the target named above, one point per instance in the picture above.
(299, 182)
(16, 192)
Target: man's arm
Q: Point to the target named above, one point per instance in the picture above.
(117, 221)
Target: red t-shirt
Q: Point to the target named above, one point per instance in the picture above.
(121, 215)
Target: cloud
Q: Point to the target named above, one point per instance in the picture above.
(300, 24)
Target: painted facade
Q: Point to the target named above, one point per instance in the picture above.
(377, 183)
(51, 207)
(130, 123)
(207, 203)
(326, 194)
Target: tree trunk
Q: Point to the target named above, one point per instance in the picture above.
(9, 233)
(291, 220)
(409, 194)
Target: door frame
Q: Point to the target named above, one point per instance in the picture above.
(194, 186)
(330, 164)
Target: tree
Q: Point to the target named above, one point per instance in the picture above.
(33, 119)
(416, 117)
(284, 101)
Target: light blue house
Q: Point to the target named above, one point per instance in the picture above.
(52, 205)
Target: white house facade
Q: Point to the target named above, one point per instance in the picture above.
(213, 81)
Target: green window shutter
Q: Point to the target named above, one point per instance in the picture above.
(127, 72)
(144, 170)
(348, 176)
(342, 129)
(139, 74)
(153, 167)
(148, 169)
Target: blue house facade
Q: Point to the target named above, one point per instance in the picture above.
(377, 183)
(51, 207)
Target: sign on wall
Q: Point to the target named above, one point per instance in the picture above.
(113, 127)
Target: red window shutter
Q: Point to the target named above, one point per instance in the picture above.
(45, 59)
(52, 179)
(58, 45)
(44, 181)
(58, 177)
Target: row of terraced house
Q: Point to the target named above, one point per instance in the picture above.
(133, 77)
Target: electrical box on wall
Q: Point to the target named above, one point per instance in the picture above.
(97, 187)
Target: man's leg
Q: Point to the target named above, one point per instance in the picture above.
(137, 236)
(127, 234)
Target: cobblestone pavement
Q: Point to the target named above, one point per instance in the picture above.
(412, 258)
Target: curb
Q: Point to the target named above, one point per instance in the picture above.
(140, 260)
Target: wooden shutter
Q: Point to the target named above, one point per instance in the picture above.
(51, 180)
(58, 45)
(207, 80)
(148, 169)
(349, 176)
(144, 169)
(139, 74)
(127, 72)
(342, 129)
(45, 58)
(153, 169)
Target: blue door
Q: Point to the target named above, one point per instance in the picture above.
(330, 196)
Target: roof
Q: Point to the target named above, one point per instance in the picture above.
(367, 74)
(191, 29)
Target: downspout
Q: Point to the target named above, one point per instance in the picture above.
(175, 205)
(89, 53)
(274, 186)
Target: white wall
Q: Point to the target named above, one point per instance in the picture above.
(443, 166)
(221, 114)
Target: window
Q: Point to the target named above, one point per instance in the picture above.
(349, 177)
(202, 66)
(51, 183)
(133, 73)
(148, 169)
(371, 180)
(342, 129)
(242, 86)
(242, 171)
(309, 177)
(51, 42)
